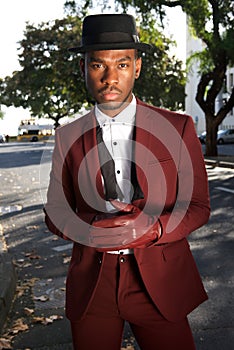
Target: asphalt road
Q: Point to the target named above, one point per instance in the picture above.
(37, 320)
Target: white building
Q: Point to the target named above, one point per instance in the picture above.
(191, 106)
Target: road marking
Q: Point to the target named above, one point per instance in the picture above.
(10, 209)
(225, 189)
(61, 248)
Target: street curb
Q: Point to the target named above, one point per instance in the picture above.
(219, 163)
(8, 280)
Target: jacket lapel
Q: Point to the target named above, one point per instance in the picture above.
(91, 156)
(142, 143)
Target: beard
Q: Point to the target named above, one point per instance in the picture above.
(111, 106)
(114, 106)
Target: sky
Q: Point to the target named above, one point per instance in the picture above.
(13, 17)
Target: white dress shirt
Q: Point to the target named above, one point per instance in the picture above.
(117, 133)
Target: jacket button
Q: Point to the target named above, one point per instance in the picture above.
(122, 259)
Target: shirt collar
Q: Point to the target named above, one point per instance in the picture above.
(127, 115)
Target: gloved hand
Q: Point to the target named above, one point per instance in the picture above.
(128, 228)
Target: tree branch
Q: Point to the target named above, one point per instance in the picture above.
(227, 107)
(201, 90)
(218, 80)
(171, 3)
(215, 9)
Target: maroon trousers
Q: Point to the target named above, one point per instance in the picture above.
(121, 296)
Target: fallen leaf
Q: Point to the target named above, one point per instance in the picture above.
(24, 286)
(22, 263)
(55, 238)
(51, 319)
(38, 319)
(26, 264)
(28, 311)
(20, 291)
(32, 255)
(66, 260)
(39, 267)
(41, 298)
(5, 344)
(31, 282)
(32, 227)
(46, 320)
(19, 326)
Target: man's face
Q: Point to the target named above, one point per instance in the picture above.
(110, 77)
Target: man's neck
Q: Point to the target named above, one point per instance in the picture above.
(112, 110)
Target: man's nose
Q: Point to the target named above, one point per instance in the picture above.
(110, 76)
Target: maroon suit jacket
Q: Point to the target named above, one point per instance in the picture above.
(170, 170)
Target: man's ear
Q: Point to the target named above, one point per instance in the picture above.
(82, 67)
(138, 67)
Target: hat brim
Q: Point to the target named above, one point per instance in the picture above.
(111, 46)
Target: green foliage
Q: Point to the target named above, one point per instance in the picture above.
(228, 44)
(1, 114)
(204, 62)
(162, 80)
(49, 83)
(199, 16)
(212, 21)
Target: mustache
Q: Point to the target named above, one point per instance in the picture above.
(109, 89)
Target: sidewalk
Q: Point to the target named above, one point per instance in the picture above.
(8, 277)
(8, 280)
(220, 161)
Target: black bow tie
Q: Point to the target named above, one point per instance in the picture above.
(112, 189)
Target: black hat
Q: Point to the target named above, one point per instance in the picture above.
(110, 32)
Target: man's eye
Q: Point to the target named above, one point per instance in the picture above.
(97, 65)
(123, 65)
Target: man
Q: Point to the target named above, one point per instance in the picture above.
(128, 185)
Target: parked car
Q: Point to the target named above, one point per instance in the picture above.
(2, 138)
(223, 136)
(202, 137)
(34, 139)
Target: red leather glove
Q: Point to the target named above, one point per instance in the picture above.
(128, 228)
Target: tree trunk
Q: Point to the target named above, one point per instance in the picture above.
(56, 124)
(211, 137)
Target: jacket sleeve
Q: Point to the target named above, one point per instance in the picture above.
(61, 215)
(192, 207)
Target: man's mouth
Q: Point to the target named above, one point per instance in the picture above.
(110, 94)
